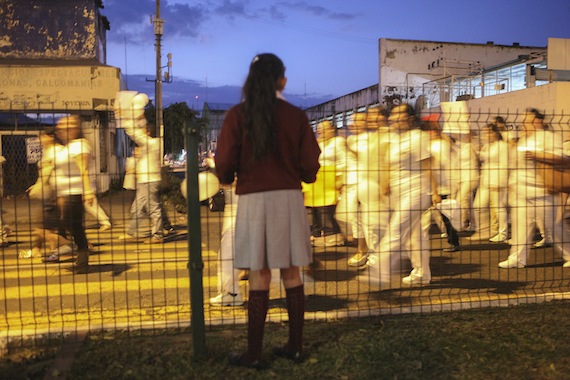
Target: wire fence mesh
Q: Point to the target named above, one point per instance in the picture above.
(373, 190)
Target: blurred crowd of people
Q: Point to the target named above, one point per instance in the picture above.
(67, 188)
(396, 173)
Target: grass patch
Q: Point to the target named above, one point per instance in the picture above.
(527, 341)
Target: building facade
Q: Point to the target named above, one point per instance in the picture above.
(487, 77)
(53, 63)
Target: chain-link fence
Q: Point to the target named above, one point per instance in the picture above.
(380, 243)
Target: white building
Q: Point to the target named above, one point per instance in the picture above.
(494, 79)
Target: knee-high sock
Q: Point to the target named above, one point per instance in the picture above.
(256, 312)
(296, 311)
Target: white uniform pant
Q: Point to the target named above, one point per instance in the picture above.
(525, 212)
(95, 210)
(496, 199)
(375, 214)
(465, 199)
(228, 277)
(348, 213)
(404, 237)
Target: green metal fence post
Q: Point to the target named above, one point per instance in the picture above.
(195, 263)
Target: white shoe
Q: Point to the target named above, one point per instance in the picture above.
(542, 244)
(227, 299)
(509, 263)
(358, 260)
(498, 238)
(335, 240)
(444, 235)
(128, 238)
(414, 279)
(63, 249)
(25, 254)
(105, 227)
(566, 264)
(372, 260)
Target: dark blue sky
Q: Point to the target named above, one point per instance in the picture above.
(330, 47)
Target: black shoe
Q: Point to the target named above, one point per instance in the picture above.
(454, 248)
(239, 360)
(284, 352)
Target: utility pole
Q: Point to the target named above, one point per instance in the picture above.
(158, 31)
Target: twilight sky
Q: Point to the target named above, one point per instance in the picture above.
(330, 47)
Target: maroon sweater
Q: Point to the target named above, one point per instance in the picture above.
(296, 158)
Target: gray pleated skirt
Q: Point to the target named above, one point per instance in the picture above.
(272, 231)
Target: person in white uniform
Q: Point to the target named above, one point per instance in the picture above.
(347, 209)
(444, 158)
(409, 164)
(229, 293)
(370, 144)
(468, 180)
(333, 156)
(528, 196)
(72, 185)
(493, 184)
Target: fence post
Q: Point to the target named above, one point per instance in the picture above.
(195, 263)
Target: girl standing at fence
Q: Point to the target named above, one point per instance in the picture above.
(270, 146)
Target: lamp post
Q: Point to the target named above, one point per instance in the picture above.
(158, 31)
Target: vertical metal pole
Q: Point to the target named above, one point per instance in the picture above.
(195, 263)
(158, 30)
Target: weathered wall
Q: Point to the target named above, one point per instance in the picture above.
(58, 88)
(50, 29)
(406, 64)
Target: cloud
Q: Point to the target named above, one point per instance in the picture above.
(276, 14)
(317, 10)
(130, 19)
(231, 9)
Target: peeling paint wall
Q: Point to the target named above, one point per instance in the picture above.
(407, 64)
(50, 29)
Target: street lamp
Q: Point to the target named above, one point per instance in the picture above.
(158, 32)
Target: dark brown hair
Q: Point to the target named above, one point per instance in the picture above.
(259, 99)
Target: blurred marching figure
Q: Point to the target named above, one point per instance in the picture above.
(468, 179)
(493, 184)
(72, 184)
(51, 235)
(322, 196)
(129, 111)
(229, 293)
(369, 143)
(443, 160)
(530, 199)
(409, 167)
(348, 211)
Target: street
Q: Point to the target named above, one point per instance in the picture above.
(135, 285)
